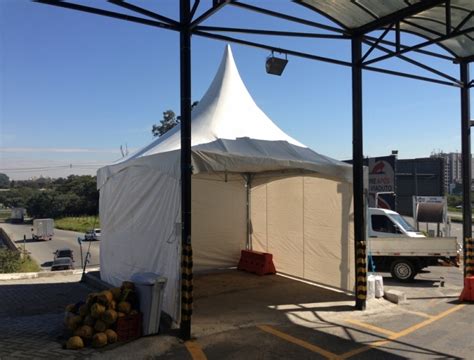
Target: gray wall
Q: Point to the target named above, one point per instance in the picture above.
(421, 177)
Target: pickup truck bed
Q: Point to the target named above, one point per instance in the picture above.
(402, 246)
(404, 257)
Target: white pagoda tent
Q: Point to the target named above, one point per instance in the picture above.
(253, 186)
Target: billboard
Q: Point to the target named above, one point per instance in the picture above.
(382, 182)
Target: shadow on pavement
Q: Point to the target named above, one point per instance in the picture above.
(416, 283)
(27, 241)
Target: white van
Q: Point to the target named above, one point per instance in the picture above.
(388, 223)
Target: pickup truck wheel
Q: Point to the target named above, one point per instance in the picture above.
(403, 270)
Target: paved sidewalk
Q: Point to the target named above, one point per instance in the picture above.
(31, 318)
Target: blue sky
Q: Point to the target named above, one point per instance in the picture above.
(75, 86)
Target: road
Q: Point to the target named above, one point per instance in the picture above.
(42, 251)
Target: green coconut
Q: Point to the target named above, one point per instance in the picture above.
(97, 310)
(100, 326)
(85, 332)
(83, 310)
(99, 340)
(74, 343)
(109, 316)
(73, 322)
(111, 336)
(89, 320)
(116, 292)
(124, 307)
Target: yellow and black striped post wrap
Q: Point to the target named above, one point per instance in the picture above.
(186, 283)
(361, 271)
(468, 257)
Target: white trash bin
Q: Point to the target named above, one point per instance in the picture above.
(150, 288)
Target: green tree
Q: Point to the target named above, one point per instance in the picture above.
(4, 181)
(169, 121)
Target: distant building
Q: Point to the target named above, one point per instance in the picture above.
(452, 169)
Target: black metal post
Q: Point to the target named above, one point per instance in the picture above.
(186, 171)
(358, 177)
(466, 171)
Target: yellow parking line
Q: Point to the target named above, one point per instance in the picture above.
(195, 350)
(297, 341)
(371, 327)
(402, 333)
(422, 314)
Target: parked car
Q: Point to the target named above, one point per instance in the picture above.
(62, 264)
(63, 253)
(92, 235)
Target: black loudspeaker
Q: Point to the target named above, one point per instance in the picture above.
(275, 66)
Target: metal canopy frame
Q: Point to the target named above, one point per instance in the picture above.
(188, 26)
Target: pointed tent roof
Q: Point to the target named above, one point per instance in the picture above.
(226, 111)
(230, 133)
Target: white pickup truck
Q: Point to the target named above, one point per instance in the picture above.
(397, 247)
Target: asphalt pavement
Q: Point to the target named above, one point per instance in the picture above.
(42, 251)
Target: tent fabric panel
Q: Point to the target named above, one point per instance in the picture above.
(219, 220)
(245, 155)
(166, 163)
(138, 213)
(306, 222)
(258, 215)
(328, 233)
(285, 224)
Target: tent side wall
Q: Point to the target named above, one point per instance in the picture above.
(219, 220)
(139, 210)
(140, 216)
(306, 222)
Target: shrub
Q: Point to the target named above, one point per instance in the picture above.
(10, 261)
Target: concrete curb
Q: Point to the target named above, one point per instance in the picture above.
(41, 274)
(395, 296)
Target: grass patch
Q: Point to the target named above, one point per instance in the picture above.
(77, 223)
(28, 265)
(5, 214)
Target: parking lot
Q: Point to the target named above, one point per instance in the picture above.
(239, 315)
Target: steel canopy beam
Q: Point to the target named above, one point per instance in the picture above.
(107, 13)
(289, 18)
(186, 171)
(360, 255)
(422, 45)
(215, 8)
(466, 171)
(270, 32)
(145, 12)
(397, 16)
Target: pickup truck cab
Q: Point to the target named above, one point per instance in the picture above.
(395, 246)
(388, 223)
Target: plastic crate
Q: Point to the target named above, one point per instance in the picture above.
(129, 327)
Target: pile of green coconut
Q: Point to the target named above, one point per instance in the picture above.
(93, 322)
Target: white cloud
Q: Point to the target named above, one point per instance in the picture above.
(57, 150)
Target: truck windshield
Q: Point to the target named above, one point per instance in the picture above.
(403, 223)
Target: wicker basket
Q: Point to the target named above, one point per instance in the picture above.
(129, 327)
